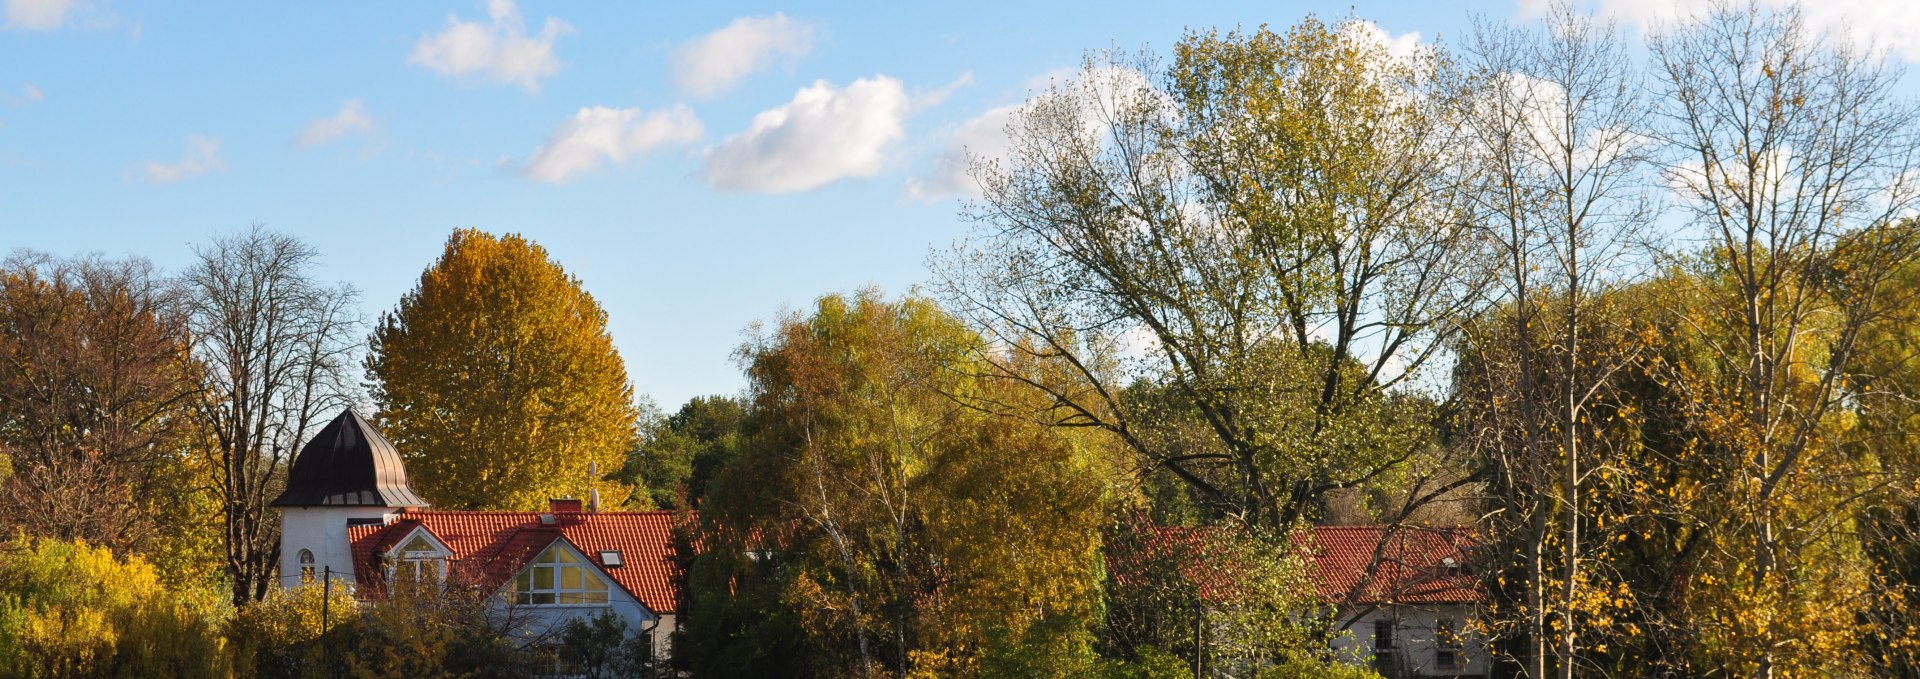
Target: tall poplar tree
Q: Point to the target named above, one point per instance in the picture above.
(497, 380)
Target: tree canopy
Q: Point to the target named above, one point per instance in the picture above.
(497, 380)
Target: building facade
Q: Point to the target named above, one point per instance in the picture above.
(348, 519)
(1404, 596)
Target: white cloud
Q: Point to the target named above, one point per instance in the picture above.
(716, 62)
(824, 135)
(984, 137)
(926, 100)
(33, 93)
(1889, 24)
(501, 52)
(1404, 45)
(352, 119)
(612, 134)
(202, 156)
(38, 15)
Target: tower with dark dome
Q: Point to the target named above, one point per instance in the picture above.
(345, 475)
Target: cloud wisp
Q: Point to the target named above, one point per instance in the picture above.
(38, 15)
(352, 119)
(601, 134)
(715, 63)
(951, 174)
(202, 156)
(499, 51)
(983, 138)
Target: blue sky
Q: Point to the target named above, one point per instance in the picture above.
(698, 167)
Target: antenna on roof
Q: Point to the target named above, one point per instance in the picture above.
(593, 489)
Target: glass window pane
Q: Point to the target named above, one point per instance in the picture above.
(599, 597)
(523, 581)
(542, 578)
(541, 598)
(563, 556)
(595, 584)
(570, 578)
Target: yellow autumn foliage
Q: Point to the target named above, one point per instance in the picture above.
(68, 609)
(497, 380)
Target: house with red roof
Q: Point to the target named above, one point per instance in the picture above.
(1403, 596)
(349, 519)
(1405, 593)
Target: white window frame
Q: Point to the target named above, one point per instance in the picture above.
(416, 559)
(523, 589)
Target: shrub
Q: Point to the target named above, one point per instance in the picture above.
(71, 610)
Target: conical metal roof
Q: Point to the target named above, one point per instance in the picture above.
(348, 464)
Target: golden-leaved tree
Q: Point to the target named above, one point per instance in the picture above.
(879, 523)
(1794, 155)
(497, 380)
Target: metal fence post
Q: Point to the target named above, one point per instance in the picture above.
(326, 619)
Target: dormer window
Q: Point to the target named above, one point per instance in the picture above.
(419, 558)
(558, 577)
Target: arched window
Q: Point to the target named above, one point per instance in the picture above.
(306, 565)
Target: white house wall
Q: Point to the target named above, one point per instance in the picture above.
(322, 530)
(1414, 640)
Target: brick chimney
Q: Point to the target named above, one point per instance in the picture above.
(561, 505)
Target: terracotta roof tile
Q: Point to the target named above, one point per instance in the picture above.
(495, 545)
(1412, 569)
(1413, 566)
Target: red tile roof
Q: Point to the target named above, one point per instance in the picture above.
(1131, 557)
(1412, 568)
(493, 546)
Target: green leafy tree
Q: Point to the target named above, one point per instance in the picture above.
(602, 647)
(887, 527)
(497, 380)
(1267, 226)
(676, 456)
